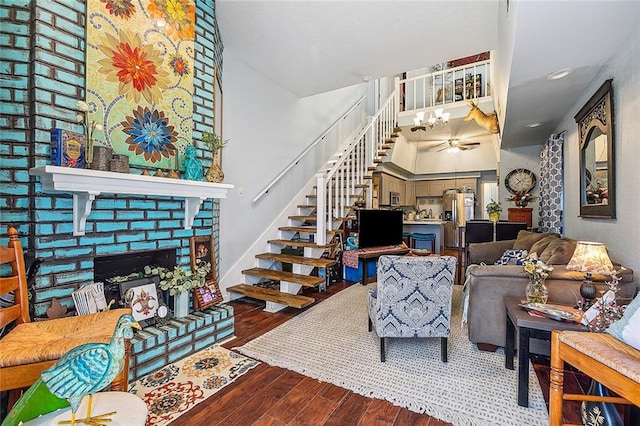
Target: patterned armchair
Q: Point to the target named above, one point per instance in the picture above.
(412, 299)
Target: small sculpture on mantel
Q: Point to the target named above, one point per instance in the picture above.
(192, 165)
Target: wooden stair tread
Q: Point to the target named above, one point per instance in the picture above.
(307, 206)
(308, 229)
(389, 140)
(299, 243)
(270, 295)
(302, 217)
(386, 146)
(304, 280)
(299, 260)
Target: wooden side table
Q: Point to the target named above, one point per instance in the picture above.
(521, 214)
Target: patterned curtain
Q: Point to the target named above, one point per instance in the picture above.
(551, 185)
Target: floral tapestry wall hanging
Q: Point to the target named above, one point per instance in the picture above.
(139, 83)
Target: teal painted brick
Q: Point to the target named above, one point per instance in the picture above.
(145, 369)
(178, 354)
(111, 249)
(72, 252)
(110, 204)
(74, 277)
(86, 264)
(142, 204)
(182, 233)
(111, 226)
(172, 332)
(57, 292)
(129, 215)
(20, 150)
(149, 354)
(179, 342)
(50, 58)
(43, 95)
(158, 214)
(11, 55)
(205, 331)
(53, 216)
(204, 342)
(169, 205)
(136, 346)
(15, 162)
(42, 243)
(43, 42)
(127, 238)
(43, 281)
(224, 333)
(191, 326)
(15, 190)
(102, 215)
(158, 235)
(224, 323)
(143, 246)
(167, 244)
(160, 336)
(48, 268)
(15, 28)
(21, 176)
(63, 228)
(57, 35)
(145, 226)
(95, 240)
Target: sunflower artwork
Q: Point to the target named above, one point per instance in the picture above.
(140, 57)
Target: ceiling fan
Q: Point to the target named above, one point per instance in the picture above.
(454, 145)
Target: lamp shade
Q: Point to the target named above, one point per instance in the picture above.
(590, 257)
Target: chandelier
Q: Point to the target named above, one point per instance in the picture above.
(436, 117)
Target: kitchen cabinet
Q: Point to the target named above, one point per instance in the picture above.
(409, 193)
(435, 188)
(389, 184)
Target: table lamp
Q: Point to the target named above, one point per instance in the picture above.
(590, 258)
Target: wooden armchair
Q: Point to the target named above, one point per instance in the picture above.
(602, 357)
(32, 347)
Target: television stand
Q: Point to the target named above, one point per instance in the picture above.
(375, 253)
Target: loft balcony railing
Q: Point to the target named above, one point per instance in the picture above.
(459, 84)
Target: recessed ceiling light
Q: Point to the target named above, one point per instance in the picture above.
(559, 74)
(532, 125)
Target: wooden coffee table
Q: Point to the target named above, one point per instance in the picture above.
(529, 327)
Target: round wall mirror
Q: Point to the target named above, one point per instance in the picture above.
(597, 172)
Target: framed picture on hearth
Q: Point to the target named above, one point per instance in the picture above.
(142, 296)
(203, 249)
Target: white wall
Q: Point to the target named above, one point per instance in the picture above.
(527, 157)
(267, 128)
(621, 235)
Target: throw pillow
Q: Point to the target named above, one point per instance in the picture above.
(539, 246)
(526, 239)
(512, 257)
(627, 328)
(558, 252)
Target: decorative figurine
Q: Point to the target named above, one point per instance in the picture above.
(192, 165)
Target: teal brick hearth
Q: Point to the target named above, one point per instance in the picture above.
(156, 346)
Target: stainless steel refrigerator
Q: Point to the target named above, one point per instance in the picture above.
(458, 207)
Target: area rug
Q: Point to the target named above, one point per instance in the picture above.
(330, 342)
(177, 388)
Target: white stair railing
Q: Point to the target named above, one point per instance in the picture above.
(337, 188)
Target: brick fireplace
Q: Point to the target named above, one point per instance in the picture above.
(45, 58)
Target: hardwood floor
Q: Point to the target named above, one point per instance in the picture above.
(274, 396)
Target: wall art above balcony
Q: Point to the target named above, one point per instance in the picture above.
(139, 77)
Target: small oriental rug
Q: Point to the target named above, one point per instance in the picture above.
(178, 387)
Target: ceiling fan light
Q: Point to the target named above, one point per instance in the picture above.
(432, 121)
(453, 150)
(420, 116)
(445, 117)
(416, 121)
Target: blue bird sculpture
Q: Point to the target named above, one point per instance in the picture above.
(84, 370)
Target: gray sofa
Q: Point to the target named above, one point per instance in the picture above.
(487, 284)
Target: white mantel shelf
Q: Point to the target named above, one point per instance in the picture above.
(87, 184)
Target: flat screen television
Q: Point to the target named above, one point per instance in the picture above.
(377, 228)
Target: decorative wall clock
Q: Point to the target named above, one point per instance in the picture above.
(520, 180)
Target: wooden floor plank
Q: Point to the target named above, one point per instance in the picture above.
(296, 400)
(349, 411)
(380, 413)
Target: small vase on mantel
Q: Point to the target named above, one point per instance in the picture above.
(494, 217)
(537, 291)
(215, 173)
(181, 304)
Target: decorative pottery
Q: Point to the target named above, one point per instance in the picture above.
(494, 217)
(521, 203)
(101, 157)
(181, 304)
(537, 291)
(215, 173)
(192, 164)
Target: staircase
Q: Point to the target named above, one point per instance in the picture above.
(315, 226)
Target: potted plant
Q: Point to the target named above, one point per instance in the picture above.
(215, 144)
(179, 283)
(494, 210)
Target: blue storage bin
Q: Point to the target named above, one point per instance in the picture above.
(353, 274)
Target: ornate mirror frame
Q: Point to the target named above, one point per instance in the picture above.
(595, 119)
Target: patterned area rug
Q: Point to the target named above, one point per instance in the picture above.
(330, 342)
(178, 387)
